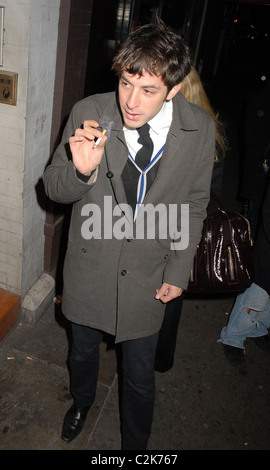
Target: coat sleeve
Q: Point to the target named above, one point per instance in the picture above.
(60, 178)
(178, 269)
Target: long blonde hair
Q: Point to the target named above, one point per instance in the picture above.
(194, 92)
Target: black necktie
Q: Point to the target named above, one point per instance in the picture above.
(143, 156)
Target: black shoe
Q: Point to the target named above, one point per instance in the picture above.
(73, 422)
(236, 356)
(263, 342)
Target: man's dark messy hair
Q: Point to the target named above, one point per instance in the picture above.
(157, 49)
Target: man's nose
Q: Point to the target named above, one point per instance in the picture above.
(133, 99)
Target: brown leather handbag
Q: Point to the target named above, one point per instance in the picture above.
(223, 261)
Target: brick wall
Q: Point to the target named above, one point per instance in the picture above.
(77, 53)
(12, 136)
(30, 44)
(73, 41)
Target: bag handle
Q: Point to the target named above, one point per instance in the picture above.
(226, 227)
(217, 202)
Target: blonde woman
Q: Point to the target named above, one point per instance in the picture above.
(193, 91)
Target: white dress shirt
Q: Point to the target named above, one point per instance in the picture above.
(159, 127)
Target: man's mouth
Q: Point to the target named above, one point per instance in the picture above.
(132, 116)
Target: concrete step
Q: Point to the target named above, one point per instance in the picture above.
(9, 311)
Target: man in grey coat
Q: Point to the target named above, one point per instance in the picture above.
(135, 226)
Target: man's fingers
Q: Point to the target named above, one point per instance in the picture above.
(162, 292)
(90, 123)
(92, 127)
(168, 292)
(87, 134)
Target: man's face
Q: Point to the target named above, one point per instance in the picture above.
(142, 97)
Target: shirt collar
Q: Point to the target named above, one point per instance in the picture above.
(161, 122)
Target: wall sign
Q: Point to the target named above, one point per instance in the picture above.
(8, 87)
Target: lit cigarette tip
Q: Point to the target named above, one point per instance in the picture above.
(99, 139)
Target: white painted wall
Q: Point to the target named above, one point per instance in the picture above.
(30, 43)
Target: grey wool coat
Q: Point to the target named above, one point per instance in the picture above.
(110, 281)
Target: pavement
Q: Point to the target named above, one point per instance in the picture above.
(202, 403)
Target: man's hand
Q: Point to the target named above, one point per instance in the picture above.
(168, 292)
(85, 157)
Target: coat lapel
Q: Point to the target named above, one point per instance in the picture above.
(172, 159)
(116, 161)
(117, 152)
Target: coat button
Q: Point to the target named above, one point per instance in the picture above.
(166, 256)
(123, 273)
(83, 250)
(109, 174)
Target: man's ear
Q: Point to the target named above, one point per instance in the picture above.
(173, 92)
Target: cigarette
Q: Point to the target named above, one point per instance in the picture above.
(99, 139)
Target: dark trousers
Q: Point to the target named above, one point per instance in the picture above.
(138, 381)
(168, 335)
